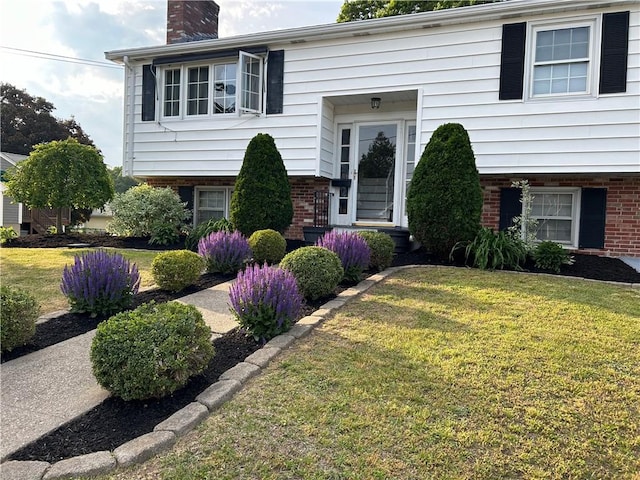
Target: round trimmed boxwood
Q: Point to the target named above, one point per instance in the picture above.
(151, 351)
(317, 270)
(267, 246)
(381, 246)
(19, 311)
(175, 270)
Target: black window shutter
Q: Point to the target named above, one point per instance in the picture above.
(615, 48)
(512, 61)
(510, 206)
(186, 195)
(275, 81)
(593, 208)
(148, 93)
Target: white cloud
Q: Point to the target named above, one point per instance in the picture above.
(85, 29)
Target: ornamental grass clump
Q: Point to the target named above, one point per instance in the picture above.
(352, 249)
(265, 300)
(100, 283)
(224, 252)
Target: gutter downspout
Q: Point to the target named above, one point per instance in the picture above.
(127, 169)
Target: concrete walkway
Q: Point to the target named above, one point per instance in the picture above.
(43, 390)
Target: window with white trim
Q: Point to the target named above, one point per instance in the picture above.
(198, 90)
(557, 214)
(212, 89)
(211, 203)
(171, 92)
(562, 60)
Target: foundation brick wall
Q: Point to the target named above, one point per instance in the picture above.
(302, 190)
(622, 227)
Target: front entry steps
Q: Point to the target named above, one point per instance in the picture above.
(399, 235)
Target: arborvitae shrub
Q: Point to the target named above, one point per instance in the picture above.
(175, 270)
(381, 246)
(353, 252)
(265, 300)
(262, 195)
(100, 283)
(316, 269)
(224, 252)
(267, 246)
(18, 313)
(204, 229)
(551, 256)
(151, 351)
(444, 202)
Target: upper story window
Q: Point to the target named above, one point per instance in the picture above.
(212, 89)
(198, 91)
(561, 61)
(172, 92)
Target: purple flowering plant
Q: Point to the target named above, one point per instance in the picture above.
(100, 283)
(265, 300)
(352, 249)
(224, 252)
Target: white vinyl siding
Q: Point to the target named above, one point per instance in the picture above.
(456, 69)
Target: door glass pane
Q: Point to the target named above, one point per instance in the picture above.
(376, 170)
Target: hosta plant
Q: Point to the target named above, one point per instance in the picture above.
(352, 249)
(224, 252)
(100, 283)
(551, 256)
(265, 300)
(490, 250)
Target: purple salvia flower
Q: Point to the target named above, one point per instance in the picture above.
(100, 283)
(224, 252)
(265, 300)
(352, 249)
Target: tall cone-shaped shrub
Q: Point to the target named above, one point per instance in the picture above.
(262, 195)
(444, 202)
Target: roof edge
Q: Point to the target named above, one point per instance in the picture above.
(432, 19)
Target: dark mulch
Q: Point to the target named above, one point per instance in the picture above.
(114, 421)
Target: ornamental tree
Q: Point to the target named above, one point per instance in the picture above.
(61, 174)
(444, 202)
(262, 195)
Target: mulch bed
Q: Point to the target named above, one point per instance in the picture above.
(115, 421)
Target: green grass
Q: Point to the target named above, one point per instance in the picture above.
(439, 373)
(39, 271)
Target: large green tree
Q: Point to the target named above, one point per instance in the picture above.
(353, 10)
(444, 202)
(120, 183)
(27, 121)
(262, 195)
(61, 174)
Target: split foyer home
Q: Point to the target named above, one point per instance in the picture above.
(548, 90)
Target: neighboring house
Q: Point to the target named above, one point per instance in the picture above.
(549, 91)
(25, 220)
(100, 218)
(11, 215)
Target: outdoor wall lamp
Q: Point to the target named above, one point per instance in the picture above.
(375, 103)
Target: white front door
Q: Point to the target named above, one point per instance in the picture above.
(374, 174)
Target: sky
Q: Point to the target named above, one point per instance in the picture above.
(92, 92)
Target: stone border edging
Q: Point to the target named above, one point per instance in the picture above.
(167, 432)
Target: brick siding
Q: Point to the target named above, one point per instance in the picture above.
(622, 228)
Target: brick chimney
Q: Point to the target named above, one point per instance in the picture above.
(191, 20)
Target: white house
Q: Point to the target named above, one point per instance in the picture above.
(549, 91)
(11, 214)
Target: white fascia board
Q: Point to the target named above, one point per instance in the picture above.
(512, 9)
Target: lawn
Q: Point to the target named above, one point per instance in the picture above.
(39, 271)
(439, 373)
